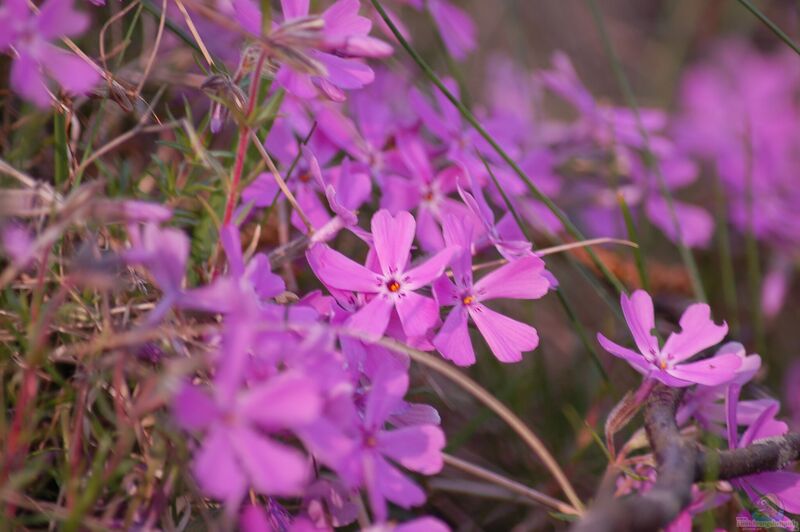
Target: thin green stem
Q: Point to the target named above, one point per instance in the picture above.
(562, 298)
(633, 236)
(727, 274)
(649, 159)
(771, 25)
(473, 121)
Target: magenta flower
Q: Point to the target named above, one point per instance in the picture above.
(506, 235)
(666, 364)
(455, 26)
(782, 485)
(519, 279)
(415, 447)
(343, 39)
(165, 251)
(236, 453)
(425, 190)
(27, 36)
(17, 241)
(394, 286)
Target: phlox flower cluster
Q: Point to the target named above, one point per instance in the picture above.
(714, 403)
(753, 151)
(410, 230)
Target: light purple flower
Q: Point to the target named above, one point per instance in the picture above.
(784, 486)
(666, 364)
(37, 62)
(424, 190)
(17, 243)
(415, 447)
(455, 26)
(236, 454)
(394, 286)
(519, 279)
(342, 40)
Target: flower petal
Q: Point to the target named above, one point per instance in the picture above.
(698, 331)
(27, 79)
(507, 338)
(638, 311)
(292, 399)
(636, 360)
(785, 485)
(453, 340)
(416, 448)
(429, 270)
(396, 487)
(710, 372)
(192, 408)
(58, 19)
(272, 468)
(519, 279)
(215, 467)
(393, 236)
(371, 320)
(340, 272)
(386, 394)
(418, 314)
(73, 73)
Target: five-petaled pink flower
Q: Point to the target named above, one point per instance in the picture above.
(519, 279)
(27, 35)
(666, 364)
(394, 285)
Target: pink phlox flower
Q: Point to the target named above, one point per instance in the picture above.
(666, 364)
(367, 132)
(416, 447)
(782, 487)
(506, 235)
(165, 251)
(709, 404)
(345, 188)
(16, 242)
(455, 26)
(425, 190)
(342, 38)
(394, 287)
(37, 62)
(458, 139)
(702, 500)
(236, 452)
(327, 502)
(519, 279)
(272, 516)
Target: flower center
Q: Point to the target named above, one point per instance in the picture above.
(662, 364)
(468, 300)
(305, 177)
(393, 286)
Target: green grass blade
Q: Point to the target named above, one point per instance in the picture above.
(771, 25)
(60, 148)
(650, 160)
(728, 277)
(633, 236)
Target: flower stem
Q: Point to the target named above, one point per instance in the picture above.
(244, 137)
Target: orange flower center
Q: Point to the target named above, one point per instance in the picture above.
(468, 299)
(393, 286)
